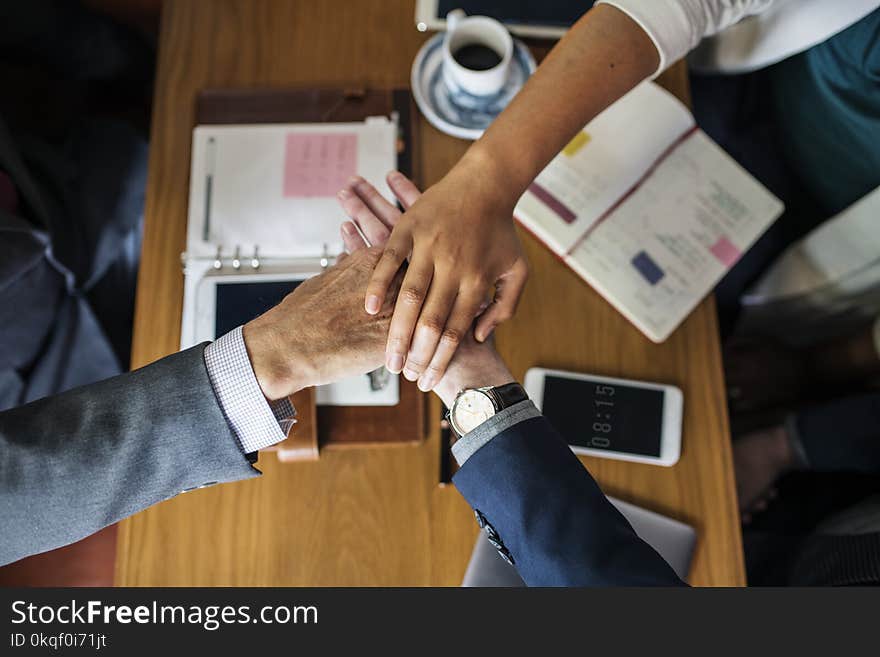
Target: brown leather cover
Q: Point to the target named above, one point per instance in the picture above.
(332, 427)
(302, 441)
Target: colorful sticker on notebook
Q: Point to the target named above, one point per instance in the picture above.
(725, 251)
(558, 207)
(318, 165)
(580, 140)
(646, 266)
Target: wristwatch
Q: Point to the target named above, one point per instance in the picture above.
(473, 406)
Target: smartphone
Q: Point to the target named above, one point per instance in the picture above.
(611, 418)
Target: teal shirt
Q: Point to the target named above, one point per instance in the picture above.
(826, 102)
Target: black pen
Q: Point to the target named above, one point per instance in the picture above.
(209, 184)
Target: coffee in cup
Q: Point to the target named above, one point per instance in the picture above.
(477, 51)
(476, 57)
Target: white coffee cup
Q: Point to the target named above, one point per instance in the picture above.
(463, 30)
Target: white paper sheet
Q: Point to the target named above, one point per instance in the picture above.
(256, 195)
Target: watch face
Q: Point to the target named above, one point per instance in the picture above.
(471, 409)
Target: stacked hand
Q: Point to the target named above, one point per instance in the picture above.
(460, 248)
(473, 364)
(321, 333)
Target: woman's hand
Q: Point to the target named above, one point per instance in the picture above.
(464, 259)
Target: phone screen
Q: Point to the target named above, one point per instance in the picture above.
(239, 303)
(603, 416)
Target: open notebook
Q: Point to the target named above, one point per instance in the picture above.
(647, 209)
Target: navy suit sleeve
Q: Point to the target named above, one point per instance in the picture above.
(553, 519)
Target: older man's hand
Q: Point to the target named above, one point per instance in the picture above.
(320, 332)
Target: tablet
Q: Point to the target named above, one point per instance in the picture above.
(227, 300)
(546, 20)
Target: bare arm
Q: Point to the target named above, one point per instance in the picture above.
(601, 58)
(459, 236)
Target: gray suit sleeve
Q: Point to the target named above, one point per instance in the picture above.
(79, 461)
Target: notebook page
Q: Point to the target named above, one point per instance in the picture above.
(601, 164)
(658, 253)
(274, 186)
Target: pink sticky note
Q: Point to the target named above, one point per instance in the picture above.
(725, 251)
(318, 164)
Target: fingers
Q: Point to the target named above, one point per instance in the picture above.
(508, 290)
(404, 189)
(351, 238)
(413, 292)
(431, 322)
(382, 208)
(467, 304)
(396, 251)
(374, 218)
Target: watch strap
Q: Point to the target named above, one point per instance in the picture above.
(508, 395)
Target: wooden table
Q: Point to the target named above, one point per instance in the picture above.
(378, 516)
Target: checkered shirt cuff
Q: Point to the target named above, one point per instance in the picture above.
(257, 423)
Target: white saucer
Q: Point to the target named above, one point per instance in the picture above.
(466, 116)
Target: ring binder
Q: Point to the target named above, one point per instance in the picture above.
(275, 245)
(256, 262)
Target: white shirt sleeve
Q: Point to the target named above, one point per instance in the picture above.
(256, 422)
(677, 26)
